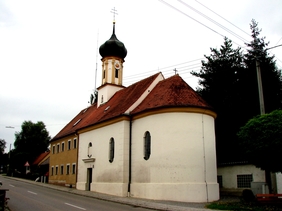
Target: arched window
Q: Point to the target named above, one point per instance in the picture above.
(111, 150)
(89, 151)
(147, 145)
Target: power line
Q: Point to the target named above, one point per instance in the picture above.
(205, 24)
(190, 17)
(213, 21)
(222, 18)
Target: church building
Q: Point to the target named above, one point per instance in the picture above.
(154, 139)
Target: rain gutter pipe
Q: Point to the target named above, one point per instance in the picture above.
(130, 155)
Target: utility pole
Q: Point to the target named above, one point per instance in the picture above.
(260, 90)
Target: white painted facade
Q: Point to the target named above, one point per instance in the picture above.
(182, 165)
(110, 178)
(229, 178)
(279, 182)
(229, 174)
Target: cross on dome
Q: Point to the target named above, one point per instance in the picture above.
(114, 11)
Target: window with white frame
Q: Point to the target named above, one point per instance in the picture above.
(58, 148)
(52, 170)
(53, 149)
(68, 169)
(63, 146)
(62, 169)
(56, 170)
(74, 143)
(244, 180)
(69, 144)
(73, 168)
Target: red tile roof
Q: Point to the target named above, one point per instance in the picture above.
(40, 158)
(171, 92)
(115, 107)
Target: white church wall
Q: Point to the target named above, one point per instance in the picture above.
(109, 178)
(182, 165)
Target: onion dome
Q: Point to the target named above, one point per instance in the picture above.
(113, 47)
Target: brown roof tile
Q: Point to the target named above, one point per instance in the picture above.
(115, 107)
(171, 92)
(40, 158)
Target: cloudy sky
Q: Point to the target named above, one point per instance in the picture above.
(48, 49)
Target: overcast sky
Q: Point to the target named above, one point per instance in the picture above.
(48, 49)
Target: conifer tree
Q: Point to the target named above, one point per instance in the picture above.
(228, 82)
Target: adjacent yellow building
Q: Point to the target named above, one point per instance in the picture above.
(63, 161)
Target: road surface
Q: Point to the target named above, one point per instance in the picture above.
(25, 196)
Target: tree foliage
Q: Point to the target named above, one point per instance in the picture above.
(30, 142)
(2, 146)
(219, 87)
(228, 82)
(261, 141)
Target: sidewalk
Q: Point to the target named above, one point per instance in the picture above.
(150, 204)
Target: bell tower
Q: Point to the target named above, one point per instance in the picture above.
(113, 53)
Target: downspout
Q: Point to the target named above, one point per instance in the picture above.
(130, 155)
(204, 151)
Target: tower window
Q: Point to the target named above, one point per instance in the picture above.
(116, 73)
(147, 145)
(111, 150)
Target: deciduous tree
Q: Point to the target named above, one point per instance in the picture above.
(30, 142)
(261, 141)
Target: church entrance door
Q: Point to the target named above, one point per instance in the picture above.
(89, 178)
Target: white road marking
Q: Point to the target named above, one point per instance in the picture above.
(32, 192)
(12, 186)
(75, 206)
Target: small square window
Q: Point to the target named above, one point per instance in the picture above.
(244, 181)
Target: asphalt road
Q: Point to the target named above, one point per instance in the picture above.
(25, 197)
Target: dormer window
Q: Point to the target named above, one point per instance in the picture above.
(76, 122)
